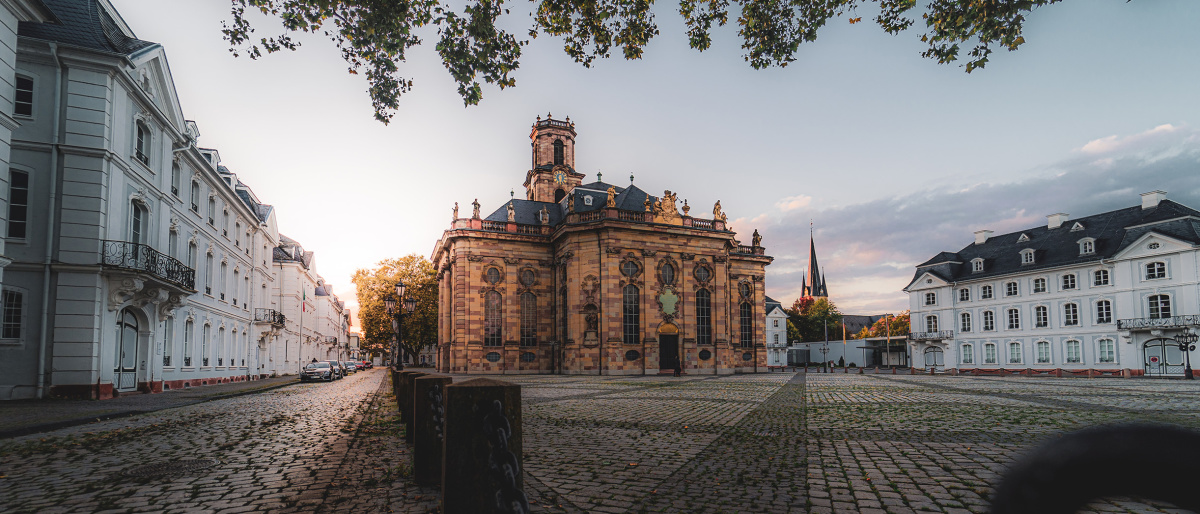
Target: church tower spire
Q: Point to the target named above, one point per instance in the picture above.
(553, 173)
(815, 278)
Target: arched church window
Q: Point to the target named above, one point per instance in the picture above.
(703, 317)
(558, 152)
(492, 276)
(631, 321)
(493, 311)
(747, 324)
(559, 194)
(528, 316)
(629, 268)
(667, 274)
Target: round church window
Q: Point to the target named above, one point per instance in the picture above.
(702, 273)
(528, 357)
(705, 355)
(667, 274)
(747, 356)
(629, 268)
(632, 355)
(744, 288)
(527, 277)
(492, 357)
(492, 275)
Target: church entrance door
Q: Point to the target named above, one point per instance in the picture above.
(668, 351)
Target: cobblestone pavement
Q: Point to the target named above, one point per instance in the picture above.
(778, 442)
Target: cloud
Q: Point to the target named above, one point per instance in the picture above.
(869, 250)
(792, 203)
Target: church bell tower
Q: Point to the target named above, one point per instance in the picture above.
(553, 173)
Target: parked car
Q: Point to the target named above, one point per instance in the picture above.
(338, 367)
(368, 365)
(351, 367)
(359, 365)
(318, 371)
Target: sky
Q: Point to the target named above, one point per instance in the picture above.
(890, 158)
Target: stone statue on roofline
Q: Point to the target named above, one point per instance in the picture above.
(756, 240)
(455, 210)
(512, 213)
(475, 213)
(571, 203)
(649, 204)
(612, 197)
(717, 214)
(545, 215)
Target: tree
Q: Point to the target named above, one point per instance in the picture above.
(899, 327)
(812, 316)
(377, 34)
(378, 283)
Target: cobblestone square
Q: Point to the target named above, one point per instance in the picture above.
(779, 442)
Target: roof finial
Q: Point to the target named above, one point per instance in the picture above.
(599, 176)
(548, 115)
(512, 194)
(631, 179)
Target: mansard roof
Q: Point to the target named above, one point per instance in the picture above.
(771, 305)
(1111, 231)
(85, 24)
(628, 198)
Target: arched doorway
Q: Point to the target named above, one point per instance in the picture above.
(935, 359)
(127, 351)
(668, 347)
(1162, 357)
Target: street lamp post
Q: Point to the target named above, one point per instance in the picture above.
(1187, 343)
(396, 307)
(825, 357)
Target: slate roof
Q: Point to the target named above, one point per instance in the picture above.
(772, 304)
(84, 24)
(1113, 231)
(628, 198)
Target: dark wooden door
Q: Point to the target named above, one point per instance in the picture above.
(668, 351)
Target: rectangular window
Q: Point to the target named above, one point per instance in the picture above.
(1108, 351)
(1070, 314)
(18, 203)
(1160, 306)
(703, 317)
(1156, 270)
(195, 197)
(14, 312)
(1014, 353)
(528, 319)
(931, 324)
(168, 341)
(1010, 289)
(965, 322)
(1043, 352)
(930, 298)
(187, 343)
(1073, 353)
(206, 333)
(23, 102)
(493, 318)
(1068, 282)
(968, 354)
(964, 295)
(985, 293)
(1039, 285)
(631, 314)
(775, 323)
(989, 353)
(1100, 278)
(1014, 319)
(989, 320)
(1103, 311)
(1041, 316)
(747, 325)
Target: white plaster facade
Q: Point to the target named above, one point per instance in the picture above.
(1114, 307)
(776, 332)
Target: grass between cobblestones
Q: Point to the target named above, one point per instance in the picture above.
(745, 443)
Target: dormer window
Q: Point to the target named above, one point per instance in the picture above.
(587, 199)
(976, 265)
(1077, 227)
(1024, 238)
(1087, 246)
(1027, 256)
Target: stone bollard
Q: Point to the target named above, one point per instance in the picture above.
(429, 416)
(406, 412)
(481, 463)
(395, 384)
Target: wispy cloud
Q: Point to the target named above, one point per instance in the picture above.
(869, 249)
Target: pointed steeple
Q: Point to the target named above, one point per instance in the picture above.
(815, 279)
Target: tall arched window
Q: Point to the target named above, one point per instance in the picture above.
(631, 314)
(559, 152)
(195, 197)
(208, 273)
(175, 177)
(747, 324)
(528, 319)
(493, 318)
(703, 317)
(188, 327)
(965, 322)
(221, 346)
(237, 286)
(168, 341)
(137, 226)
(142, 152)
(212, 211)
(224, 280)
(1070, 314)
(204, 335)
(1103, 311)
(1041, 316)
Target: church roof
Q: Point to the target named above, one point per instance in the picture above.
(1111, 231)
(83, 23)
(526, 211)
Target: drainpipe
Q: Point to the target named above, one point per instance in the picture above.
(43, 337)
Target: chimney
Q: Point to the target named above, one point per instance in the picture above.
(981, 236)
(1054, 221)
(1150, 200)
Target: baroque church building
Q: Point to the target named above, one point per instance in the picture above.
(596, 279)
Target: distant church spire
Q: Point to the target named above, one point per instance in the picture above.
(814, 283)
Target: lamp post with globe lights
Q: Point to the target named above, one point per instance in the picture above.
(396, 307)
(1187, 343)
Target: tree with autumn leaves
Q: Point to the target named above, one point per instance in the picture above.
(376, 284)
(809, 317)
(899, 327)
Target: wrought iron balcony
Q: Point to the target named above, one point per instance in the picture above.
(931, 336)
(141, 258)
(271, 316)
(331, 339)
(1190, 320)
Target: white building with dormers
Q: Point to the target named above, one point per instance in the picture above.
(776, 332)
(136, 262)
(1106, 294)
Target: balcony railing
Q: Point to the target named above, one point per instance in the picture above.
(1190, 320)
(144, 259)
(752, 250)
(271, 316)
(495, 226)
(931, 336)
(331, 339)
